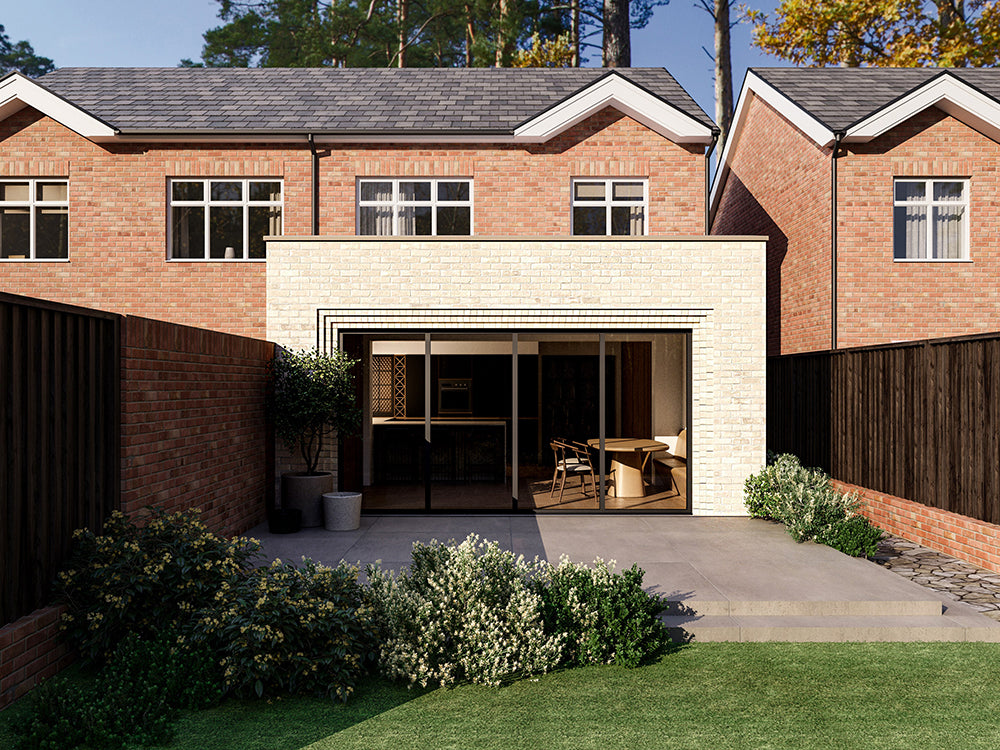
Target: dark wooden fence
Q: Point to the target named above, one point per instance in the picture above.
(919, 420)
(59, 444)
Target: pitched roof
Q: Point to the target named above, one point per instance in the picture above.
(337, 100)
(840, 97)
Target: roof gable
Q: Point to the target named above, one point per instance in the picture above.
(18, 92)
(613, 90)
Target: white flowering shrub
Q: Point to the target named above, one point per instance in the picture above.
(462, 613)
(606, 617)
(810, 508)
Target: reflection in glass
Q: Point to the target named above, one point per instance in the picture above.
(226, 231)
(589, 220)
(52, 232)
(187, 191)
(187, 232)
(227, 191)
(454, 220)
(264, 221)
(15, 233)
(414, 191)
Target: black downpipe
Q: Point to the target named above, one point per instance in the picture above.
(708, 182)
(837, 137)
(315, 185)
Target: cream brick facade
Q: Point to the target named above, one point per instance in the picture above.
(713, 287)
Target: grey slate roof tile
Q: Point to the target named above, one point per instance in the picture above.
(840, 97)
(335, 99)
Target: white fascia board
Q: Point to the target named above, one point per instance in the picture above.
(17, 92)
(615, 91)
(948, 93)
(755, 87)
(816, 130)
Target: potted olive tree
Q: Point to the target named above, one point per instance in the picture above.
(311, 398)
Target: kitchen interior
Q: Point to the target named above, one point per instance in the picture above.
(485, 454)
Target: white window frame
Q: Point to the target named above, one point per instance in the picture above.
(609, 202)
(929, 204)
(207, 204)
(396, 204)
(31, 204)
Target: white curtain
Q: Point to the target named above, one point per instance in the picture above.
(915, 232)
(376, 220)
(948, 231)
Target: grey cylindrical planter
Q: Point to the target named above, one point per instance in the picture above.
(305, 492)
(342, 511)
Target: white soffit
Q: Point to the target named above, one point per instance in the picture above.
(946, 92)
(614, 90)
(17, 92)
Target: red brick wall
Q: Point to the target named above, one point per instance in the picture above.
(966, 538)
(30, 651)
(881, 301)
(193, 423)
(118, 205)
(779, 186)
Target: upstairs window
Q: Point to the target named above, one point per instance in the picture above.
(34, 219)
(415, 207)
(610, 207)
(931, 220)
(223, 219)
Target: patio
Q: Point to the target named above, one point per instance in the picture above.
(725, 578)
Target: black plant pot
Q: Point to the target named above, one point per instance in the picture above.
(284, 521)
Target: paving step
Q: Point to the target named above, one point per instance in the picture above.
(833, 628)
(928, 607)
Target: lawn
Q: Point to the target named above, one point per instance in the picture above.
(705, 695)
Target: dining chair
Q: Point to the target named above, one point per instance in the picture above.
(571, 459)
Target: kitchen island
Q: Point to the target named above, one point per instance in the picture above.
(462, 450)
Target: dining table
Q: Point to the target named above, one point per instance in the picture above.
(628, 459)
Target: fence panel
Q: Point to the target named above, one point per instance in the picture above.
(59, 427)
(919, 420)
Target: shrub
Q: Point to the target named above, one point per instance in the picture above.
(810, 508)
(466, 612)
(855, 536)
(607, 617)
(294, 629)
(133, 700)
(142, 579)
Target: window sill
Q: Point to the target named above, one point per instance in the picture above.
(34, 260)
(932, 260)
(216, 260)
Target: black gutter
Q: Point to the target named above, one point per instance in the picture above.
(315, 185)
(837, 138)
(708, 181)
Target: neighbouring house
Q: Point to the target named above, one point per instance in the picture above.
(515, 256)
(877, 190)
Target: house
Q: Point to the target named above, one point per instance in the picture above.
(514, 256)
(877, 189)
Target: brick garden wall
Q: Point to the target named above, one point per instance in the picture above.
(966, 538)
(118, 210)
(30, 652)
(193, 423)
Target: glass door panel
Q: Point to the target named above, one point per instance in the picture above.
(471, 392)
(394, 428)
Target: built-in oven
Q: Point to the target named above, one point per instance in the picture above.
(455, 397)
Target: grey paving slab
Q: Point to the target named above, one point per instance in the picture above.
(725, 578)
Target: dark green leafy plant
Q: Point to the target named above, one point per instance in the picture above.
(142, 579)
(134, 699)
(291, 629)
(855, 536)
(607, 617)
(312, 396)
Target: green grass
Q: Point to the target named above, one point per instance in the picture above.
(705, 695)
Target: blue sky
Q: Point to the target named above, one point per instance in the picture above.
(144, 33)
